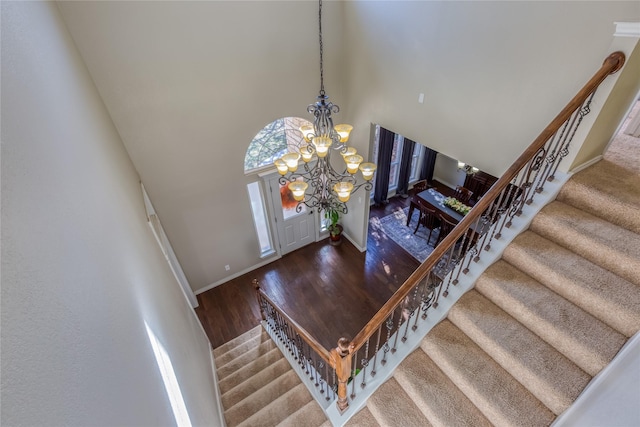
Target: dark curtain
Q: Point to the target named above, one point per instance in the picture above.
(428, 164)
(385, 149)
(405, 167)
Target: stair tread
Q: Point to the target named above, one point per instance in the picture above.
(442, 403)
(597, 240)
(390, 405)
(249, 340)
(276, 411)
(309, 415)
(502, 399)
(603, 294)
(364, 418)
(242, 360)
(545, 372)
(261, 398)
(585, 340)
(605, 190)
(250, 369)
(256, 382)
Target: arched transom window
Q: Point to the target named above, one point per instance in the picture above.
(272, 142)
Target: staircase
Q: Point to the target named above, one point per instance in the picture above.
(258, 386)
(521, 346)
(517, 349)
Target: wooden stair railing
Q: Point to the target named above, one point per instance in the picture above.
(452, 257)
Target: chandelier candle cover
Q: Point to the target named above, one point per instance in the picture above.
(329, 188)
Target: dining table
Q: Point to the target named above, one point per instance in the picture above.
(433, 198)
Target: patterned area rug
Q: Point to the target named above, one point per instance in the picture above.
(416, 244)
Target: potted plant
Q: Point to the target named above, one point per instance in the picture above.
(335, 229)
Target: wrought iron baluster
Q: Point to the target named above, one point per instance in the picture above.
(365, 363)
(354, 372)
(375, 353)
(388, 324)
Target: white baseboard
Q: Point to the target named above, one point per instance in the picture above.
(238, 274)
(587, 164)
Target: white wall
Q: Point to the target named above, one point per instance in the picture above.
(81, 271)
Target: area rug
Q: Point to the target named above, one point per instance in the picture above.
(393, 226)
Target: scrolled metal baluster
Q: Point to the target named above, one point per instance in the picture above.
(388, 324)
(533, 168)
(586, 109)
(375, 353)
(400, 318)
(365, 362)
(523, 186)
(409, 314)
(553, 152)
(423, 286)
(321, 365)
(429, 296)
(446, 269)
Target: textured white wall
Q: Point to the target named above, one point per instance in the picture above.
(81, 271)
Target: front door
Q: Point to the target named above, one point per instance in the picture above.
(295, 229)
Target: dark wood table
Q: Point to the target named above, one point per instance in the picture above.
(434, 199)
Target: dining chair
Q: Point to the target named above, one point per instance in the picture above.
(420, 186)
(428, 219)
(463, 194)
(446, 225)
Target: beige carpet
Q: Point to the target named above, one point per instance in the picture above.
(258, 386)
(516, 350)
(519, 348)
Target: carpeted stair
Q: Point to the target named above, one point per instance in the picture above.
(258, 386)
(519, 348)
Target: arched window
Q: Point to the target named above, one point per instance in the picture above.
(272, 142)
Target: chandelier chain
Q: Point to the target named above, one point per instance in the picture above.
(320, 36)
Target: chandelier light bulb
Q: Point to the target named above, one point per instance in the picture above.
(367, 170)
(343, 189)
(291, 160)
(281, 166)
(322, 144)
(297, 189)
(348, 151)
(353, 162)
(307, 153)
(343, 130)
(307, 132)
(461, 165)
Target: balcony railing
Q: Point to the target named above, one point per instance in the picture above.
(340, 373)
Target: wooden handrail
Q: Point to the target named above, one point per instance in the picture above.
(611, 64)
(313, 343)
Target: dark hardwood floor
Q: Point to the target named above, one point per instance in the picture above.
(331, 291)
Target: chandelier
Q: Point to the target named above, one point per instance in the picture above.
(329, 188)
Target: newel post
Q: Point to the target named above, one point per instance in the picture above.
(256, 286)
(341, 361)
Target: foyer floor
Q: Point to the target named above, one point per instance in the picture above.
(331, 291)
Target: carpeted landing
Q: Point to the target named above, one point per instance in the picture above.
(516, 350)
